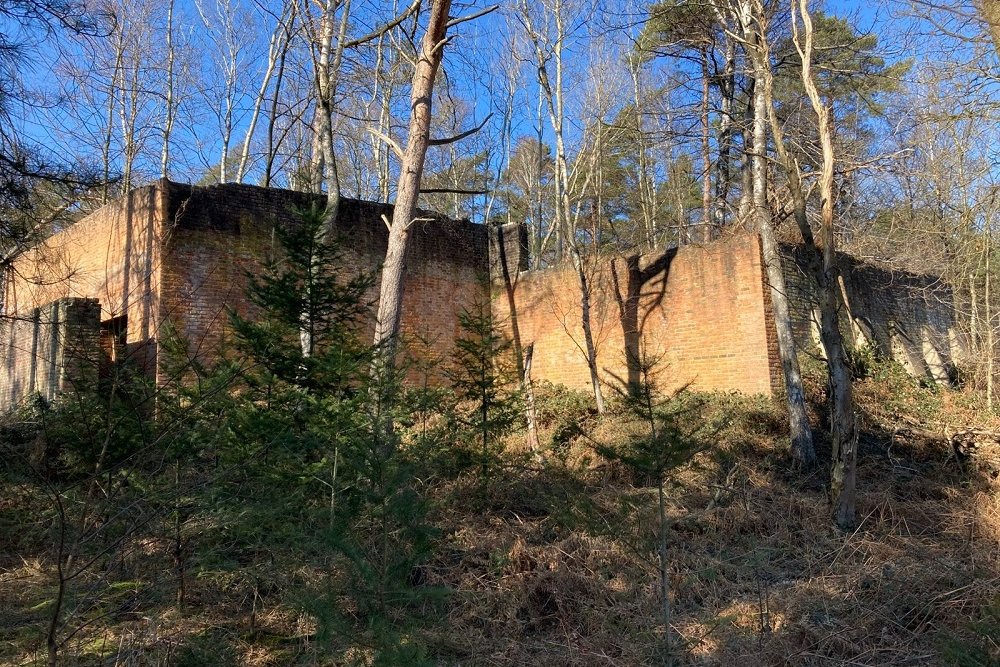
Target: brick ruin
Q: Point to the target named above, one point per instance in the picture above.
(704, 313)
(177, 255)
(104, 290)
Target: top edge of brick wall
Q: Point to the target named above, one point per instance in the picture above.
(228, 208)
(95, 217)
(874, 274)
(739, 239)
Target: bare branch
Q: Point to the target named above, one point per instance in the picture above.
(378, 32)
(458, 137)
(451, 191)
(471, 17)
(388, 140)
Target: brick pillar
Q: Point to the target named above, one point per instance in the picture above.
(78, 337)
(514, 237)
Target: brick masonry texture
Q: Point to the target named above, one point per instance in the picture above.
(699, 310)
(51, 349)
(107, 287)
(180, 254)
(219, 234)
(905, 316)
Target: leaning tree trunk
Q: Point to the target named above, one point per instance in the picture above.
(842, 423)
(390, 304)
(802, 449)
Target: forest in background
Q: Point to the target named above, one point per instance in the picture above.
(296, 502)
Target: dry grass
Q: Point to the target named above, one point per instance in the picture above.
(555, 566)
(759, 575)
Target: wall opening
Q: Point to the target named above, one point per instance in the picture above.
(113, 340)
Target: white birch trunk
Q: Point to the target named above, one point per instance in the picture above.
(390, 304)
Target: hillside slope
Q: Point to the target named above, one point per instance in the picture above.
(555, 563)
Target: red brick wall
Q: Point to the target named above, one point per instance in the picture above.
(112, 255)
(217, 234)
(50, 349)
(180, 253)
(701, 310)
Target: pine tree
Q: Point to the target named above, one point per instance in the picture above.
(485, 385)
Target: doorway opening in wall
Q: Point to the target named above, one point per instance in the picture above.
(113, 352)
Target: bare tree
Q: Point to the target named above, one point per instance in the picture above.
(843, 426)
(550, 48)
(228, 31)
(169, 97)
(390, 301)
(277, 50)
(751, 18)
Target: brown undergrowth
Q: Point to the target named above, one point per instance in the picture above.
(555, 564)
(759, 574)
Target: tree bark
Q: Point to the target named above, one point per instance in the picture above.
(529, 403)
(588, 334)
(746, 174)
(390, 303)
(842, 422)
(727, 87)
(568, 244)
(989, 11)
(802, 448)
(168, 95)
(705, 233)
(275, 49)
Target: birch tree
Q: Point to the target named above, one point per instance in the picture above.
(549, 51)
(169, 97)
(277, 50)
(751, 18)
(844, 430)
(822, 258)
(229, 37)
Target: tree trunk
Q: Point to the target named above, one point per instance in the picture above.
(647, 189)
(989, 11)
(746, 175)
(272, 119)
(802, 449)
(990, 334)
(327, 75)
(668, 647)
(274, 49)
(842, 422)
(705, 234)
(588, 335)
(168, 95)
(727, 88)
(408, 187)
(554, 98)
(529, 403)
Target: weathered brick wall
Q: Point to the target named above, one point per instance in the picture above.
(701, 310)
(112, 255)
(171, 252)
(904, 316)
(179, 253)
(50, 349)
(216, 234)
